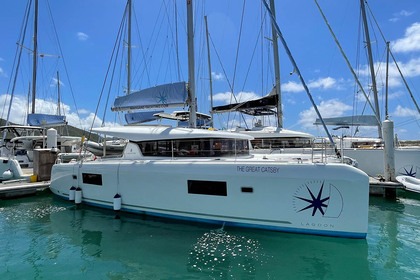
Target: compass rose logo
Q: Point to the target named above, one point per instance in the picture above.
(318, 198)
(315, 203)
(162, 98)
(408, 170)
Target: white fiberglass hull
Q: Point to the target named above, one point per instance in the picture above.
(306, 198)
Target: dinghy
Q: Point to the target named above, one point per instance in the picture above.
(410, 183)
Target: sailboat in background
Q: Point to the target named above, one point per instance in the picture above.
(145, 105)
(370, 152)
(269, 139)
(19, 141)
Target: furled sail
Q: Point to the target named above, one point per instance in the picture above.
(162, 96)
(141, 117)
(257, 107)
(46, 120)
(367, 120)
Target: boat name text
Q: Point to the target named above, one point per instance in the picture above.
(259, 169)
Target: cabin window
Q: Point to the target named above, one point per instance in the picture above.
(93, 179)
(281, 143)
(212, 147)
(207, 187)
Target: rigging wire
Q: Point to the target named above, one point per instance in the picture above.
(16, 63)
(114, 52)
(64, 64)
(395, 61)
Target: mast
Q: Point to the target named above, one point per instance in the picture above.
(346, 60)
(292, 60)
(386, 81)
(35, 56)
(209, 66)
(129, 48)
(276, 68)
(372, 69)
(191, 78)
(59, 96)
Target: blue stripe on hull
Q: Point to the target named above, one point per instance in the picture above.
(233, 224)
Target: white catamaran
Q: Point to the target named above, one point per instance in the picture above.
(210, 176)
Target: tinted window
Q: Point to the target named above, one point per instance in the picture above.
(207, 187)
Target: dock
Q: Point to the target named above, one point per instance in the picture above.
(22, 187)
(18, 188)
(379, 187)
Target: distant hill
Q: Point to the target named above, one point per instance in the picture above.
(67, 130)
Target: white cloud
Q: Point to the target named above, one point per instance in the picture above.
(82, 36)
(292, 87)
(323, 83)
(411, 40)
(2, 73)
(320, 83)
(409, 69)
(19, 111)
(217, 76)
(227, 97)
(399, 15)
(328, 108)
(405, 13)
(405, 112)
(55, 81)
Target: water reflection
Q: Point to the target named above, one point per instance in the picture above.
(222, 254)
(71, 241)
(393, 239)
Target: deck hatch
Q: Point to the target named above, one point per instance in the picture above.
(207, 187)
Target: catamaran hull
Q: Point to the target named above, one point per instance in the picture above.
(328, 200)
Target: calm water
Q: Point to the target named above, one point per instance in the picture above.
(43, 237)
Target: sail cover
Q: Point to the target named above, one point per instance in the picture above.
(46, 120)
(368, 120)
(162, 96)
(257, 107)
(141, 117)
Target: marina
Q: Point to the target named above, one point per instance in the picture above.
(232, 193)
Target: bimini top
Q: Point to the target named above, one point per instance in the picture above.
(148, 133)
(273, 132)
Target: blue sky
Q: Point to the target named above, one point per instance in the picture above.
(240, 57)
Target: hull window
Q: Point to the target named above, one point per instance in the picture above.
(93, 179)
(207, 187)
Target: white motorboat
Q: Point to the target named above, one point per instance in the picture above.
(210, 176)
